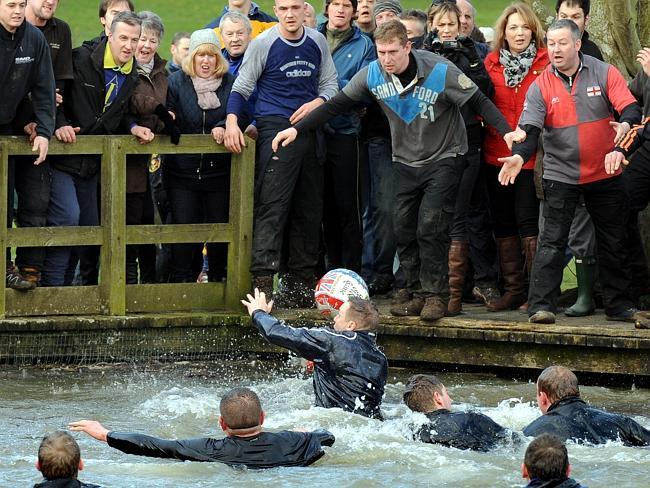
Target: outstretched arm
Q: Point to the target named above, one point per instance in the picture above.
(90, 427)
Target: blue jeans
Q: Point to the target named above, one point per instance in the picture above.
(382, 203)
(73, 202)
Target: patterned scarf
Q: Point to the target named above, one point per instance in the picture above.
(517, 65)
(206, 89)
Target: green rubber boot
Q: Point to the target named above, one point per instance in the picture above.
(586, 274)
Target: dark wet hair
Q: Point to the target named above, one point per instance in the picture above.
(418, 395)
(240, 408)
(364, 313)
(59, 456)
(104, 5)
(585, 5)
(546, 458)
(558, 382)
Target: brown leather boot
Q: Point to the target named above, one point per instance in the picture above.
(458, 252)
(530, 248)
(512, 269)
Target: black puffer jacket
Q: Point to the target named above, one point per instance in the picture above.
(64, 483)
(192, 119)
(462, 430)
(83, 105)
(349, 369)
(572, 418)
(26, 66)
(265, 450)
(559, 483)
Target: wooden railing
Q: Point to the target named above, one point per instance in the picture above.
(112, 296)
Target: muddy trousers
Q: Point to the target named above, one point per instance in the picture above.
(425, 198)
(289, 188)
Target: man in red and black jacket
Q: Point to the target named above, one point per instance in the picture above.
(573, 103)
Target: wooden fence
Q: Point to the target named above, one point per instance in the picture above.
(113, 296)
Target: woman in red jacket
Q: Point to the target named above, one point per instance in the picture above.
(519, 56)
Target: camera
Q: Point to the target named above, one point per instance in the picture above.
(438, 46)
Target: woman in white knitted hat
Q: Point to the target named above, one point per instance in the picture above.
(198, 185)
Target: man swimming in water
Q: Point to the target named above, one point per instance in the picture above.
(567, 416)
(245, 444)
(462, 430)
(546, 464)
(350, 370)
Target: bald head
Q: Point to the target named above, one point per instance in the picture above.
(467, 17)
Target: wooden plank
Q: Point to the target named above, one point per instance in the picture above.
(189, 144)
(175, 297)
(4, 173)
(241, 219)
(178, 233)
(54, 301)
(54, 236)
(113, 216)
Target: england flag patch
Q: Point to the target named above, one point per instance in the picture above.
(593, 91)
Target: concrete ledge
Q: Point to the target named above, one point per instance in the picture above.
(586, 345)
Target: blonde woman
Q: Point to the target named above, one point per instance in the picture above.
(198, 185)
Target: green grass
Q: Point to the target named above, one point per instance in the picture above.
(190, 15)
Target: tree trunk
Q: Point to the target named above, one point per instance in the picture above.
(614, 26)
(619, 27)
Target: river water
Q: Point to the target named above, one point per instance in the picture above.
(182, 401)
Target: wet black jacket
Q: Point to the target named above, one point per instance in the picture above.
(83, 105)
(266, 450)
(64, 483)
(462, 430)
(559, 483)
(26, 67)
(349, 369)
(572, 418)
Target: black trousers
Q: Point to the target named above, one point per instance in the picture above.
(33, 185)
(514, 208)
(471, 166)
(139, 211)
(425, 199)
(636, 179)
(289, 187)
(342, 226)
(482, 246)
(607, 205)
(194, 206)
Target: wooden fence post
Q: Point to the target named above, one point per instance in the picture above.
(241, 219)
(113, 218)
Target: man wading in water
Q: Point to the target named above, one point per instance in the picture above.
(349, 369)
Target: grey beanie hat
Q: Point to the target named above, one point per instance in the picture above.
(203, 36)
(388, 6)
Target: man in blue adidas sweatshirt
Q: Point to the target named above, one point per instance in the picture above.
(291, 69)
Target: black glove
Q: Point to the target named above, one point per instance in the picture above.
(170, 126)
(468, 48)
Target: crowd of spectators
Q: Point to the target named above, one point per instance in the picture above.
(459, 215)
